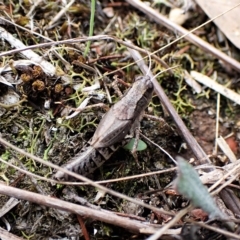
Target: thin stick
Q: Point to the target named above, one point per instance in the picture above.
(217, 123)
(207, 81)
(110, 218)
(163, 150)
(34, 57)
(6, 235)
(60, 14)
(178, 217)
(218, 230)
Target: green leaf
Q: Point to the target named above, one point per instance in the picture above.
(190, 186)
(6, 155)
(140, 147)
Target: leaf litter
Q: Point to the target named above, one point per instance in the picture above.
(37, 121)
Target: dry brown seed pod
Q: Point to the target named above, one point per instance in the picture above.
(37, 72)
(58, 88)
(38, 85)
(26, 77)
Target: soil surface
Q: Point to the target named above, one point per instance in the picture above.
(35, 109)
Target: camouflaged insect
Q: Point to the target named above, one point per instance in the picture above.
(112, 129)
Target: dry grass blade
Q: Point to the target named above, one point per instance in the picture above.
(228, 93)
(60, 14)
(226, 149)
(171, 223)
(35, 58)
(11, 203)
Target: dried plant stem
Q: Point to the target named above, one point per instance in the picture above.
(108, 217)
(178, 217)
(207, 81)
(6, 235)
(35, 58)
(60, 14)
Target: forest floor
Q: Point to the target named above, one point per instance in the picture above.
(36, 100)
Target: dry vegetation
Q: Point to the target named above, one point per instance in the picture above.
(37, 96)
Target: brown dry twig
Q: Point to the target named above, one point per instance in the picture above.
(131, 225)
(6, 235)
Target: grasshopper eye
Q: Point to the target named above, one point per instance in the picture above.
(148, 92)
(150, 85)
(138, 78)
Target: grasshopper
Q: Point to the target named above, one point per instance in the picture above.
(123, 117)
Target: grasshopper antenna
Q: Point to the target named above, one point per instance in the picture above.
(165, 70)
(147, 71)
(150, 64)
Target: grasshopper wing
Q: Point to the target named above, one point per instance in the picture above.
(110, 130)
(118, 121)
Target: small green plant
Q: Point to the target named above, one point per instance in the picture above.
(140, 147)
(91, 25)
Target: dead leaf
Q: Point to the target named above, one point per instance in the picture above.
(199, 214)
(228, 23)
